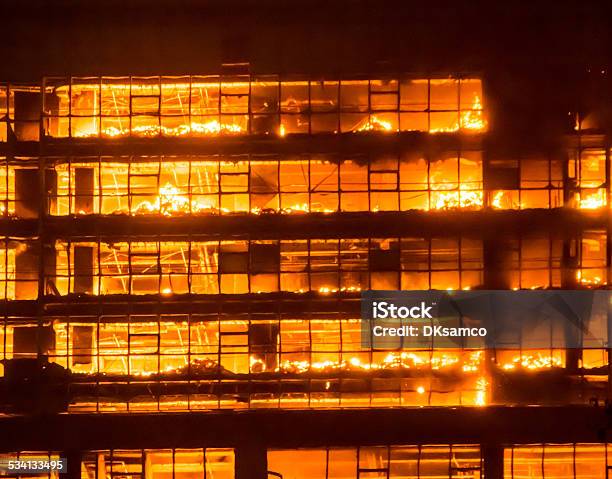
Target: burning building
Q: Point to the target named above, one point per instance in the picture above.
(182, 257)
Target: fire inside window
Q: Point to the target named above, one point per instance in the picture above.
(201, 185)
(215, 463)
(278, 360)
(113, 108)
(287, 361)
(324, 265)
(537, 461)
(208, 106)
(441, 461)
(391, 462)
(265, 184)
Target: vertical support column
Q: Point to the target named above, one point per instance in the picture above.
(609, 353)
(27, 115)
(27, 195)
(608, 146)
(50, 191)
(42, 232)
(498, 265)
(84, 190)
(498, 256)
(83, 269)
(74, 464)
(26, 271)
(251, 461)
(570, 261)
(493, 459)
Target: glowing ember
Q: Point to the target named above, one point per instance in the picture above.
(496, 202)
(301, 208)
(593, 201)
(457, 199)
(298, 208)
(394, 360)
(533, 362)
(473, 362)
(213, 127)
(474, 119)
(471, 120)
(481, 392)
(374, 124)
(169, 202)
(116, 103)
(349, 289)
(595, 280)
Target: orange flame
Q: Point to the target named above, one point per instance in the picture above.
(213, 127)
(593, 201)
(471, 120)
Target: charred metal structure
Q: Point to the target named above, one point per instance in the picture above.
(191, 204)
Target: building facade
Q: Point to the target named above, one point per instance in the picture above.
(182, 258)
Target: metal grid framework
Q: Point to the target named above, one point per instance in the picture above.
(538, 461)
(243, 266)
(19, 268)
(163, 266)
(208, 463)
(389, 462)
(324, 265)
(20, 112)
(558, 461)
(267, 183)
(179, 362)
(243, 104)
(265, 360)
(321, 183)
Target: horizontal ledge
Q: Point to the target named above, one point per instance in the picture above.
(340, 305)
(277, 428)
(558, 222)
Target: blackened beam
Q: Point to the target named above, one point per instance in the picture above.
(212, 380)
(350, 143)
(307, 428)
(342, 305)
(557, 223)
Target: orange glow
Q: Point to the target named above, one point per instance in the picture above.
(394, 360)
(533, 362)
(471, 120)
(170, 202)
(496, 201)
(474, 119)
(593, 201)
(595, 280)
(509, 200)
(326, 290)
(374, 124)
(212, 127)
(482, 386)
(116, 108)
(463, 199)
